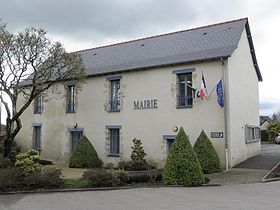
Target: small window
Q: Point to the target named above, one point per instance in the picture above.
(70, 103)
(75, 138)
(38, 104)
(37, 137)
(114, 141)
(169, 144)
(115, 96)
(252, 134)
(169, 139)
(185, 92)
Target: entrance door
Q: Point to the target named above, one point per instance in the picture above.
(75, 138)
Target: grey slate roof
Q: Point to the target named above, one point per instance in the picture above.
(204, 43)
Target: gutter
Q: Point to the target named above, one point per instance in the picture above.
(225, 113)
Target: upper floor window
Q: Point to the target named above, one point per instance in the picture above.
(70, 99)
(252, 133)
(38, 104)
(114, 93)
(185, 92)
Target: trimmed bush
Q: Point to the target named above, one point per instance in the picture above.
(182, 166)
(46, 179)
(84, 156)
(27, 163)
(206, 154)
(105, 177)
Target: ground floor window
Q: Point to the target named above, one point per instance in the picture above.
(252, 133)
(37, 137)
(169, 141)
(114, 139)
(75, 138)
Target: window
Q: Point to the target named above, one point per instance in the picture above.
(114, 135)
(185, 92)
(75, 138)
(169, 144)
(252, 134)
(114, 93)
(184, 88)
(37, 137)
(70, 98)
(38, 104)
(115, 96)
(169, 141)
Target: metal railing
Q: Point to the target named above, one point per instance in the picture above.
(184, 101)
(115, 106)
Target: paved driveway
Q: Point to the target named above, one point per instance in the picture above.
(257, 196)
(270, 156)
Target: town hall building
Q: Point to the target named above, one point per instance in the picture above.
(204, 78)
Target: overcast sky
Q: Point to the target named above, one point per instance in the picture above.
(81, 24)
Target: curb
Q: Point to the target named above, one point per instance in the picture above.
(98, 189)
(265, 179)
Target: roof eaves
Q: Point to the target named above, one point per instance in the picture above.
(253, 53)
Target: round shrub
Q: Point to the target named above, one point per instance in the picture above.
(206, 154)
(84, 155)
(182, 166)
(27, 163)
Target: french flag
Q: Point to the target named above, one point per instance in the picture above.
(202, 87)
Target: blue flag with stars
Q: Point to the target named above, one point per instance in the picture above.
(220, 94)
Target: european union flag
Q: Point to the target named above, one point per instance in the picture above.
(220, 94)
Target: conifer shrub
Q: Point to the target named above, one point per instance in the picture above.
(182, 166)
(206, 154)
(84, 155)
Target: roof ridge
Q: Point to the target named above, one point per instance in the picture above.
(165, 34)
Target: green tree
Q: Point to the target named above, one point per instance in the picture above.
(206, 154)
(272, 130)
(31, 65)
(182, 166)
(138, 154)
(84, 155)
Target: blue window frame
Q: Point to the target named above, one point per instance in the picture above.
(70, 103)
(185, 92)
(114, 135)
(37, 137)
(38, 104)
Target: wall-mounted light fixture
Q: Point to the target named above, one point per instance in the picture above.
(175, 128)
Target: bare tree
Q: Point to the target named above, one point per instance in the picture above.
(31, 64)
(276, 116)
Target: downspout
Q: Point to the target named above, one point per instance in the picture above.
(225, 114)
